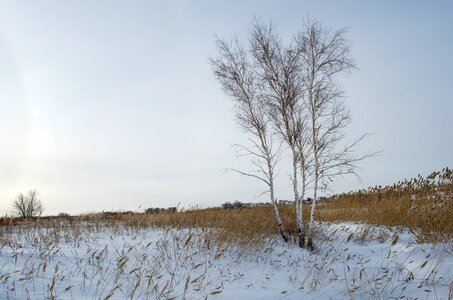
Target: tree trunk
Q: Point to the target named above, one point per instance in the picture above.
(312, 215)
(303, 176)
(281, 227)
(315, 162)
(315, 186)
(299, 217)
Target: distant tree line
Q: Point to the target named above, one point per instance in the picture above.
(156, 210)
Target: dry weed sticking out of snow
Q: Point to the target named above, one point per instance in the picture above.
(87, 262)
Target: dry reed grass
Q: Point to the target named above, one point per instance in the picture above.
(424, 205)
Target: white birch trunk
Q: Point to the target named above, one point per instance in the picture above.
(312, 213)
(309, 241)
(298, 204)
(302, 191)
(281, 227)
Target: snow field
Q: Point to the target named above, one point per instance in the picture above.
(351, 262)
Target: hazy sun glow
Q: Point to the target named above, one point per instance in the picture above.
(108, 105)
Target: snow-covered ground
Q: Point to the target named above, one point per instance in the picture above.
(351, 262)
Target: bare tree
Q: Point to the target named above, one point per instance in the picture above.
(280, 72)
(20, 205)
(325, 55)
(28, 205)
(233, 69)
(294, 86)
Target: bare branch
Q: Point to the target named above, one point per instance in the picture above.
(251, 175)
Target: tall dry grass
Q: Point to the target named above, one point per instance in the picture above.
(422, 204)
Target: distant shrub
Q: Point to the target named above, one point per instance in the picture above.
(156, 210)
(172, 209)
(234, 205)
(63, 214)
(152, 210)
(227, 205)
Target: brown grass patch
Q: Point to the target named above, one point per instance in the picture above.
(424, 205)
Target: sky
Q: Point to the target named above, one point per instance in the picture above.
(112, 105)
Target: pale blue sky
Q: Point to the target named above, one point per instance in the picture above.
(112, 104)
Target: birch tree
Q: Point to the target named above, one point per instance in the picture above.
(235, 72)
(325, 55)
(279, 69)
(295, 87)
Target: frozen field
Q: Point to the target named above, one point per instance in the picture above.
(351, 262)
